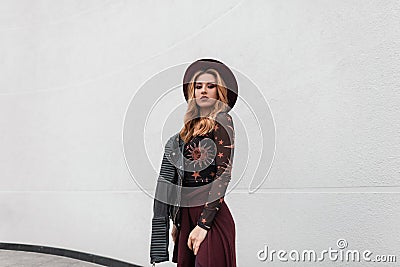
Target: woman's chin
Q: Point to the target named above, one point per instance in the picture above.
(205, 104)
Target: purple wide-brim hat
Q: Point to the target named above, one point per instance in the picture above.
(224, 71)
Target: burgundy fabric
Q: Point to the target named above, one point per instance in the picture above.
(218, 249)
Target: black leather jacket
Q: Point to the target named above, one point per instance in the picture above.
(167, 199)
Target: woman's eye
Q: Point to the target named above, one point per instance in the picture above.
(209, 86)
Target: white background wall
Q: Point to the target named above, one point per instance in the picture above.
(328, 69)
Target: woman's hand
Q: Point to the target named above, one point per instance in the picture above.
(196, 236)
(174, 232)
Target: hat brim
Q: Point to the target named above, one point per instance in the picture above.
(226, 74)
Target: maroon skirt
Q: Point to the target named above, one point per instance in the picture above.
(218, 249)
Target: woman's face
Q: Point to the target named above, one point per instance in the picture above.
(205, 90)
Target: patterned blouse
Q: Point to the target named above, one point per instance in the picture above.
(210, 157)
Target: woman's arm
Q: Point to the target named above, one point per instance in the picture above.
(224, 138)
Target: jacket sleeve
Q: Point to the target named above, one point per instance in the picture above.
(161, 221)
(165, 193)
(224, 138)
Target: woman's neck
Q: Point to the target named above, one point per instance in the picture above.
(204, 112)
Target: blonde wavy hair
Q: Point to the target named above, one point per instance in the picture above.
(194, 125)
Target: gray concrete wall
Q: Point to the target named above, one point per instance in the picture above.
(329, 71)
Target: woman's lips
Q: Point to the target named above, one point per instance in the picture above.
(203, 97)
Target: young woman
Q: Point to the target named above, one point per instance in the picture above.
(206, 234)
